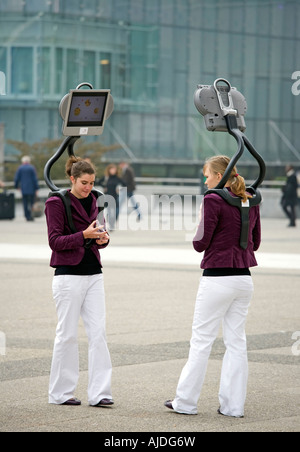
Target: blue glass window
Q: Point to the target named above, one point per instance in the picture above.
(22, 70)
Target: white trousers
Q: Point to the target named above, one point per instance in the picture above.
(227, 299)
(77, 296)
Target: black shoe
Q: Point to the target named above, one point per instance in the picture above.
(168, 404)
(104, 403)
(72, 402)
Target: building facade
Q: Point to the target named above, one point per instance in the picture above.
(152, 54)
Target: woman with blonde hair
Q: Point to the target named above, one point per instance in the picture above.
(224, 295)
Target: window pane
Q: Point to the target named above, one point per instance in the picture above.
(167, 9)
(3, 70)
(73, 7)
(3, 59)
(89, 67)
(22, 70)
(209, 51)
(59, 71)
(11, 5)
(105, 71)
(119, 85)
(262, 98)
(45, 70)
(72, 67)
(34, 6)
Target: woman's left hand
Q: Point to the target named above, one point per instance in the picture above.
(103, 238)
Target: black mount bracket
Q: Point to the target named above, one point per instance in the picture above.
(244, 208)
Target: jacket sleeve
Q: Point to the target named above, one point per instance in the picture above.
(209, 218)
(59, 235)
(101, 247)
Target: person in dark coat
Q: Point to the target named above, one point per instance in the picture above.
(289, 198)
(128, 178)
(111, 184)
(26, 180)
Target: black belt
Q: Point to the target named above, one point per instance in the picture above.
(226, 272)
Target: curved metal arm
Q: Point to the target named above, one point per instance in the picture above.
(67, 143)
(84, 84)
(242, 141)
(231, 120)
(259, 159)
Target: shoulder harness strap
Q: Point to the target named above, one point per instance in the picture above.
(244, 208)
(65, 197)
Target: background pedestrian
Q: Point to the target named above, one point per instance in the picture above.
(26, 180)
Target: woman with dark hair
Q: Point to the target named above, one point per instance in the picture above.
(224, 295)
(78, 290)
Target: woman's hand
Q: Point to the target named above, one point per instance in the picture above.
(104, 238)
(97, 233)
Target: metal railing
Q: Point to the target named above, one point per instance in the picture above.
(162, 181)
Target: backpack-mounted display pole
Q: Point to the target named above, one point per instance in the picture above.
(68, 144)
(84, 113)
(224, 108)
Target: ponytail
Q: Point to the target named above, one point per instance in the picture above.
(238, 186)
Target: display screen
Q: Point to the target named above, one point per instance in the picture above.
(87, 109)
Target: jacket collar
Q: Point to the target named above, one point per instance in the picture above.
(81, 210)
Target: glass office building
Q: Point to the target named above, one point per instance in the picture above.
(152, 54)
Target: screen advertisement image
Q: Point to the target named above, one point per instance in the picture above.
(87, 109)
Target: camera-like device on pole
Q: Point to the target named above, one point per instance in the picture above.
(223, 108)
(217, 101)
(84, 113)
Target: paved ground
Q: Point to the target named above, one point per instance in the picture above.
(151, 281)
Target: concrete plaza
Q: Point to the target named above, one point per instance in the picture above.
(151, 280)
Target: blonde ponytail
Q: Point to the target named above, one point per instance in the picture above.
(238, 186)
(235, 182)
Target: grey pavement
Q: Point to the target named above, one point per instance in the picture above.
(150, 302)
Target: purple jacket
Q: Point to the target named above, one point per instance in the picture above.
(68, 248)
(219, 235)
